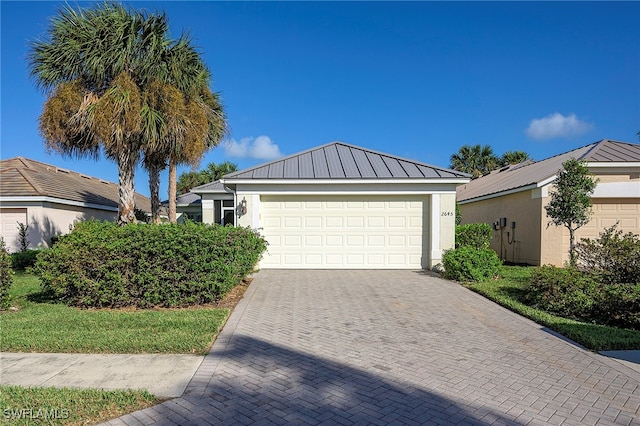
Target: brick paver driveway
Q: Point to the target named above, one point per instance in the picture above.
(392, 347)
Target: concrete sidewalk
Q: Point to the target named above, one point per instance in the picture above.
(165, 376)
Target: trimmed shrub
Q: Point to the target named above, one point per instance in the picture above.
(476, 235)
(614, 257)
(23, 259)
(6, 276)
(572, 293)
(620, 306)
(469, 264)
(101, 264)
(563, 291)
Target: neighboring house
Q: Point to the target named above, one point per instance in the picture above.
(512, 199)
(187, 206)
(50, 200)
(341, 206)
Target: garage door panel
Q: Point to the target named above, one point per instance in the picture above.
(313, 222)
(375, 222)
(355, 222)
(313, 240)
(343, 231)
(397, 222)
(9, 219)
(355, 240)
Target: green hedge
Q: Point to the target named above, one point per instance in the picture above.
(470, 264)
(101, 264)
(575, 294)
(22, 260)
(476, 235)
(6, 277)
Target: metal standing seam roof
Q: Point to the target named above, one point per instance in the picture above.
(213, 187)
(532, 173)
(22, 177)
(338, 160)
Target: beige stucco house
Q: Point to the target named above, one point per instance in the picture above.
(341, 206)
(512, 200)
(49, 200)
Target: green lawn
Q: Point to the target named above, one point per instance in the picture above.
(508, 290)
(39, 325)
(28, 406)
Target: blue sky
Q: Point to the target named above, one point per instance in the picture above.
(414, 79)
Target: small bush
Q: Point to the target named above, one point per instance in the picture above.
(101, 264)
(620, 306)
(23, 231)
(572, 293)
(476, 235)
(23, 259)
(614, 257)
(469, 264)
(563, 291)
(6, 276)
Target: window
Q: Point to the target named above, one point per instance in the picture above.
(224, 212)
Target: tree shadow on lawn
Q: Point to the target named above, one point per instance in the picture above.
(251, 380)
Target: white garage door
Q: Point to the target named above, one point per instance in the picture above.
(9, 219)
(348, 232)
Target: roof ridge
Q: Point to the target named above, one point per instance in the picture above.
(31, 181)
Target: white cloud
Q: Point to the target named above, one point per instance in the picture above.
(260, 148)
(557, 126)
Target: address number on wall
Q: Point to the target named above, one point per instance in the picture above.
(446, 213)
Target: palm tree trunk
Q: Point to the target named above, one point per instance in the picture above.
(154, 190)
(173, 168)
(126, 169)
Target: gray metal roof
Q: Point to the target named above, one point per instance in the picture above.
(339, 160)
(531, 173)
(213, 187)
(188, 199)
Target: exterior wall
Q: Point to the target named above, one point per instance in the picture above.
(446, 214)
(521, 207)
(606, 212)
(46, 219)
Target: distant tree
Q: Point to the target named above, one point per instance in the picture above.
(570, 204)
(474, 159)
(211, 173)
(513, 157)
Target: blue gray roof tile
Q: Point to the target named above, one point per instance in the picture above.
(339, 160)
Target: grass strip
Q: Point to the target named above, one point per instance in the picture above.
(508, 290)
(42, 326)
(65, 406)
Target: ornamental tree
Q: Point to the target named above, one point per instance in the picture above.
(570, 204)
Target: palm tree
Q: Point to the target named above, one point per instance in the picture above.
(474, 159)
(190, 148)
(92, 65)
(211, 173)
(183, 118)
(514, 157)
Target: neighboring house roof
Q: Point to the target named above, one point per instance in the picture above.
(188, 199)
(531, 174)
(22, 177)
(214, 187)
(339, 160)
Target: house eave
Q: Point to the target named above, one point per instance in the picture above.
(44, 199)
(500, 194)
(456, 181)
